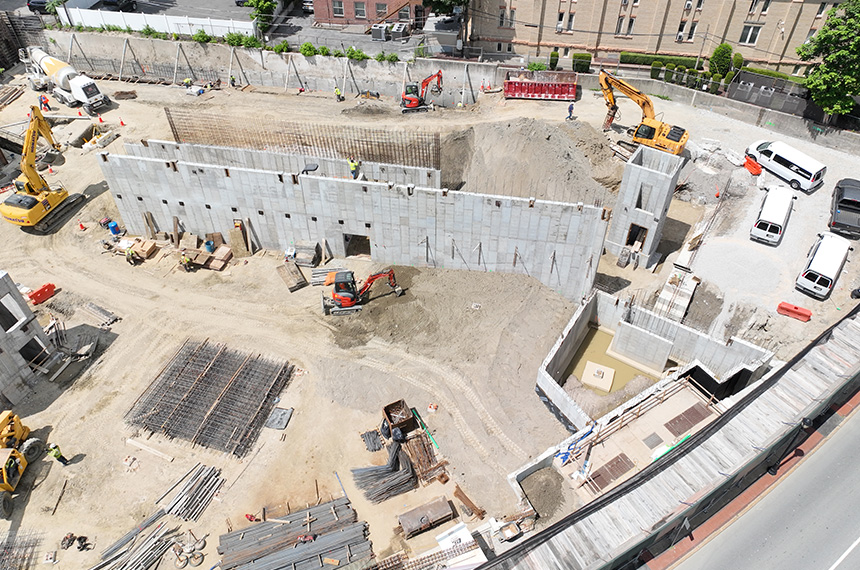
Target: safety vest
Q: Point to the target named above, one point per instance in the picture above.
(337, 90)
(353, 166)
(55, 452)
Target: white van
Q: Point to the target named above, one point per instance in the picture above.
(789, 164)
(823, 265)
(775, 210)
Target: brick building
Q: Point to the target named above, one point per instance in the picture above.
(367, 12)
(765, 32)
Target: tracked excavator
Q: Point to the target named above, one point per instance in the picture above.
(650, 131)
(347, 297)
(34, 204)
(412, 100)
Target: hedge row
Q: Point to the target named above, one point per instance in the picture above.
(649, 58)
(581, 62)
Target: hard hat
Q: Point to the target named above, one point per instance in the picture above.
(52, 445)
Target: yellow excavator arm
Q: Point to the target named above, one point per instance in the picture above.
(609, 81)
(38, 127)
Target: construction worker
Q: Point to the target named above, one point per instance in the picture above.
(54, 451)
(44, 103)
(570, 111)
(131, 256)
(187, 82)
(337, 94)
(232, 81)
(185, 261)
(353, 167)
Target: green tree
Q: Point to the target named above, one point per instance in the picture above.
(721, 59)
(737, 60)
(444, 6)
(52, 6)
(262, 12)
(836, 77)
(553, 60)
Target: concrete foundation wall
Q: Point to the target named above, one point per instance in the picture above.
(645, 348)
(15, 373)
(558, 244)
(649, 181)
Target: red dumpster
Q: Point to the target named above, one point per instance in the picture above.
(42, 294)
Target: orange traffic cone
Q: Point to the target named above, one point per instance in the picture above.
(717, 195)
(81, 225)
(80, 114)
(50, 170)
(482, 85)
(121, 123)
(100, 118)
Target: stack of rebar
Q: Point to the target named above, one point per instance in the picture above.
(382, 482)
(212, 396)
(18, 550)
(129, 536)
(275, 543)
(190, 501)
(372, 440)
(423, 457)
(142, 554)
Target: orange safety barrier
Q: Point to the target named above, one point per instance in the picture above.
(794, 312)
(42, 294)
(753, 166)
(539, 90)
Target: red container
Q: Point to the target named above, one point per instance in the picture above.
(794, 312)
(42, 294)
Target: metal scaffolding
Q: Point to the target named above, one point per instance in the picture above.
(407, 148)
(211, 396)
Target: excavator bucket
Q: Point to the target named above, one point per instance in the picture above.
(398, 291)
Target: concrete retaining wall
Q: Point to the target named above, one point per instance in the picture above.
(558, 244)
(644, 348)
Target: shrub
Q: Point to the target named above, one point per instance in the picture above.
(581, 62)
(729, 76)
(251, 42)
(692, 78)
(356, 54)
(324, 50)
(680, 73)
(148, 31)
(721, 59)
(234, 38)
(553, 60)
(775, 74)
(536, 66)
(649, 58)
(737, 61)
(656, 67)
(307, 49)
(380, 56)
(715, 83)
(392, 58)
(200, 36)
(128, 30)
(262, 12)
(282, 47)
(338, 53)
(670, 72)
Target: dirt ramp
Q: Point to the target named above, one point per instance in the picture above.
(568, 162)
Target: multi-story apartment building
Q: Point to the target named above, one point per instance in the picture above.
(366, 12)
(765, 32)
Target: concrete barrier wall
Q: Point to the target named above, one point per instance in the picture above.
(775, 121)
(558, 244)
(641, 346)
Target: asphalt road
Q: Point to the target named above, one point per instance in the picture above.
(811, 520)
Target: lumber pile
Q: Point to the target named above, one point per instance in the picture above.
(292, 276)
(337, 534)
(307, 253)
(421, 452)
(382, 482)
(320, 274)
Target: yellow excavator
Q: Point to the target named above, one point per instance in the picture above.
(650, 131)
(35, 204)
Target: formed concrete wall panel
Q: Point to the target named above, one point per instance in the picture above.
(642, 347)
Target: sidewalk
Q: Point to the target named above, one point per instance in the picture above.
(746, 500)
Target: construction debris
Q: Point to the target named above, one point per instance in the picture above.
(382, 482)
(299, 539)
(372, 440)
(9, 93)
(211, 396)
(319, 275)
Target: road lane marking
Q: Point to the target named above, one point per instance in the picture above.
(845, 555)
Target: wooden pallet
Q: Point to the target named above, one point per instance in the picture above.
(292, 276)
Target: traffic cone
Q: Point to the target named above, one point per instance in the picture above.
(717, 195)
(121, 123)
(80, 114)
(81, 225)
(100, 118)
(482, 85)
(50, 169)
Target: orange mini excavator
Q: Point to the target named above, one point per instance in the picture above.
(412, 99)
(347, 298)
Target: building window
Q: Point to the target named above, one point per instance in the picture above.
(692, 31)
(821, 8)
(502, 18)
(337, 8)
(624, 2)
(566, 52)
(510, 48)
(630, 23)
(699, 4)
(635, 2)
(796, 70)
(559, 26)
(499, 46)
(403, 14)
(381, 10)
(360, 11)
(681, 27)
(619, 25)
(513, 18)
(764, 7)
(809, 36)
(570, 21)
(749, 35)
(753, 6)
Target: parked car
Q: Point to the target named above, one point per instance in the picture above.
(120, 5)
(241, 2)
(845, 209)
(308, 6)
(38, 6)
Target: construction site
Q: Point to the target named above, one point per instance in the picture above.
(280, 330)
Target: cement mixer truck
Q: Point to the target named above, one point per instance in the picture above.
(66, 84)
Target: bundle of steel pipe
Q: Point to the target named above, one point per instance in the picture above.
(116, 546)
(148, 551)
(264, 538)
(385, 481)
(190, 501)
(345, 545)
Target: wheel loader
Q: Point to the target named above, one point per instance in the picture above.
(17, 450)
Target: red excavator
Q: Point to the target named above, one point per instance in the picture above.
(412, 99)
(346, 297)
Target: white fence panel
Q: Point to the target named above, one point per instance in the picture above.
(159, 22)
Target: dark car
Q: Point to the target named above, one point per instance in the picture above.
(38, 6)
(241, 2)
(120, 5)
(845, 208)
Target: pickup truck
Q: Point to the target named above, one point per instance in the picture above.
(845, 209)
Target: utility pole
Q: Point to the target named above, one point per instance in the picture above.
(702, 49)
